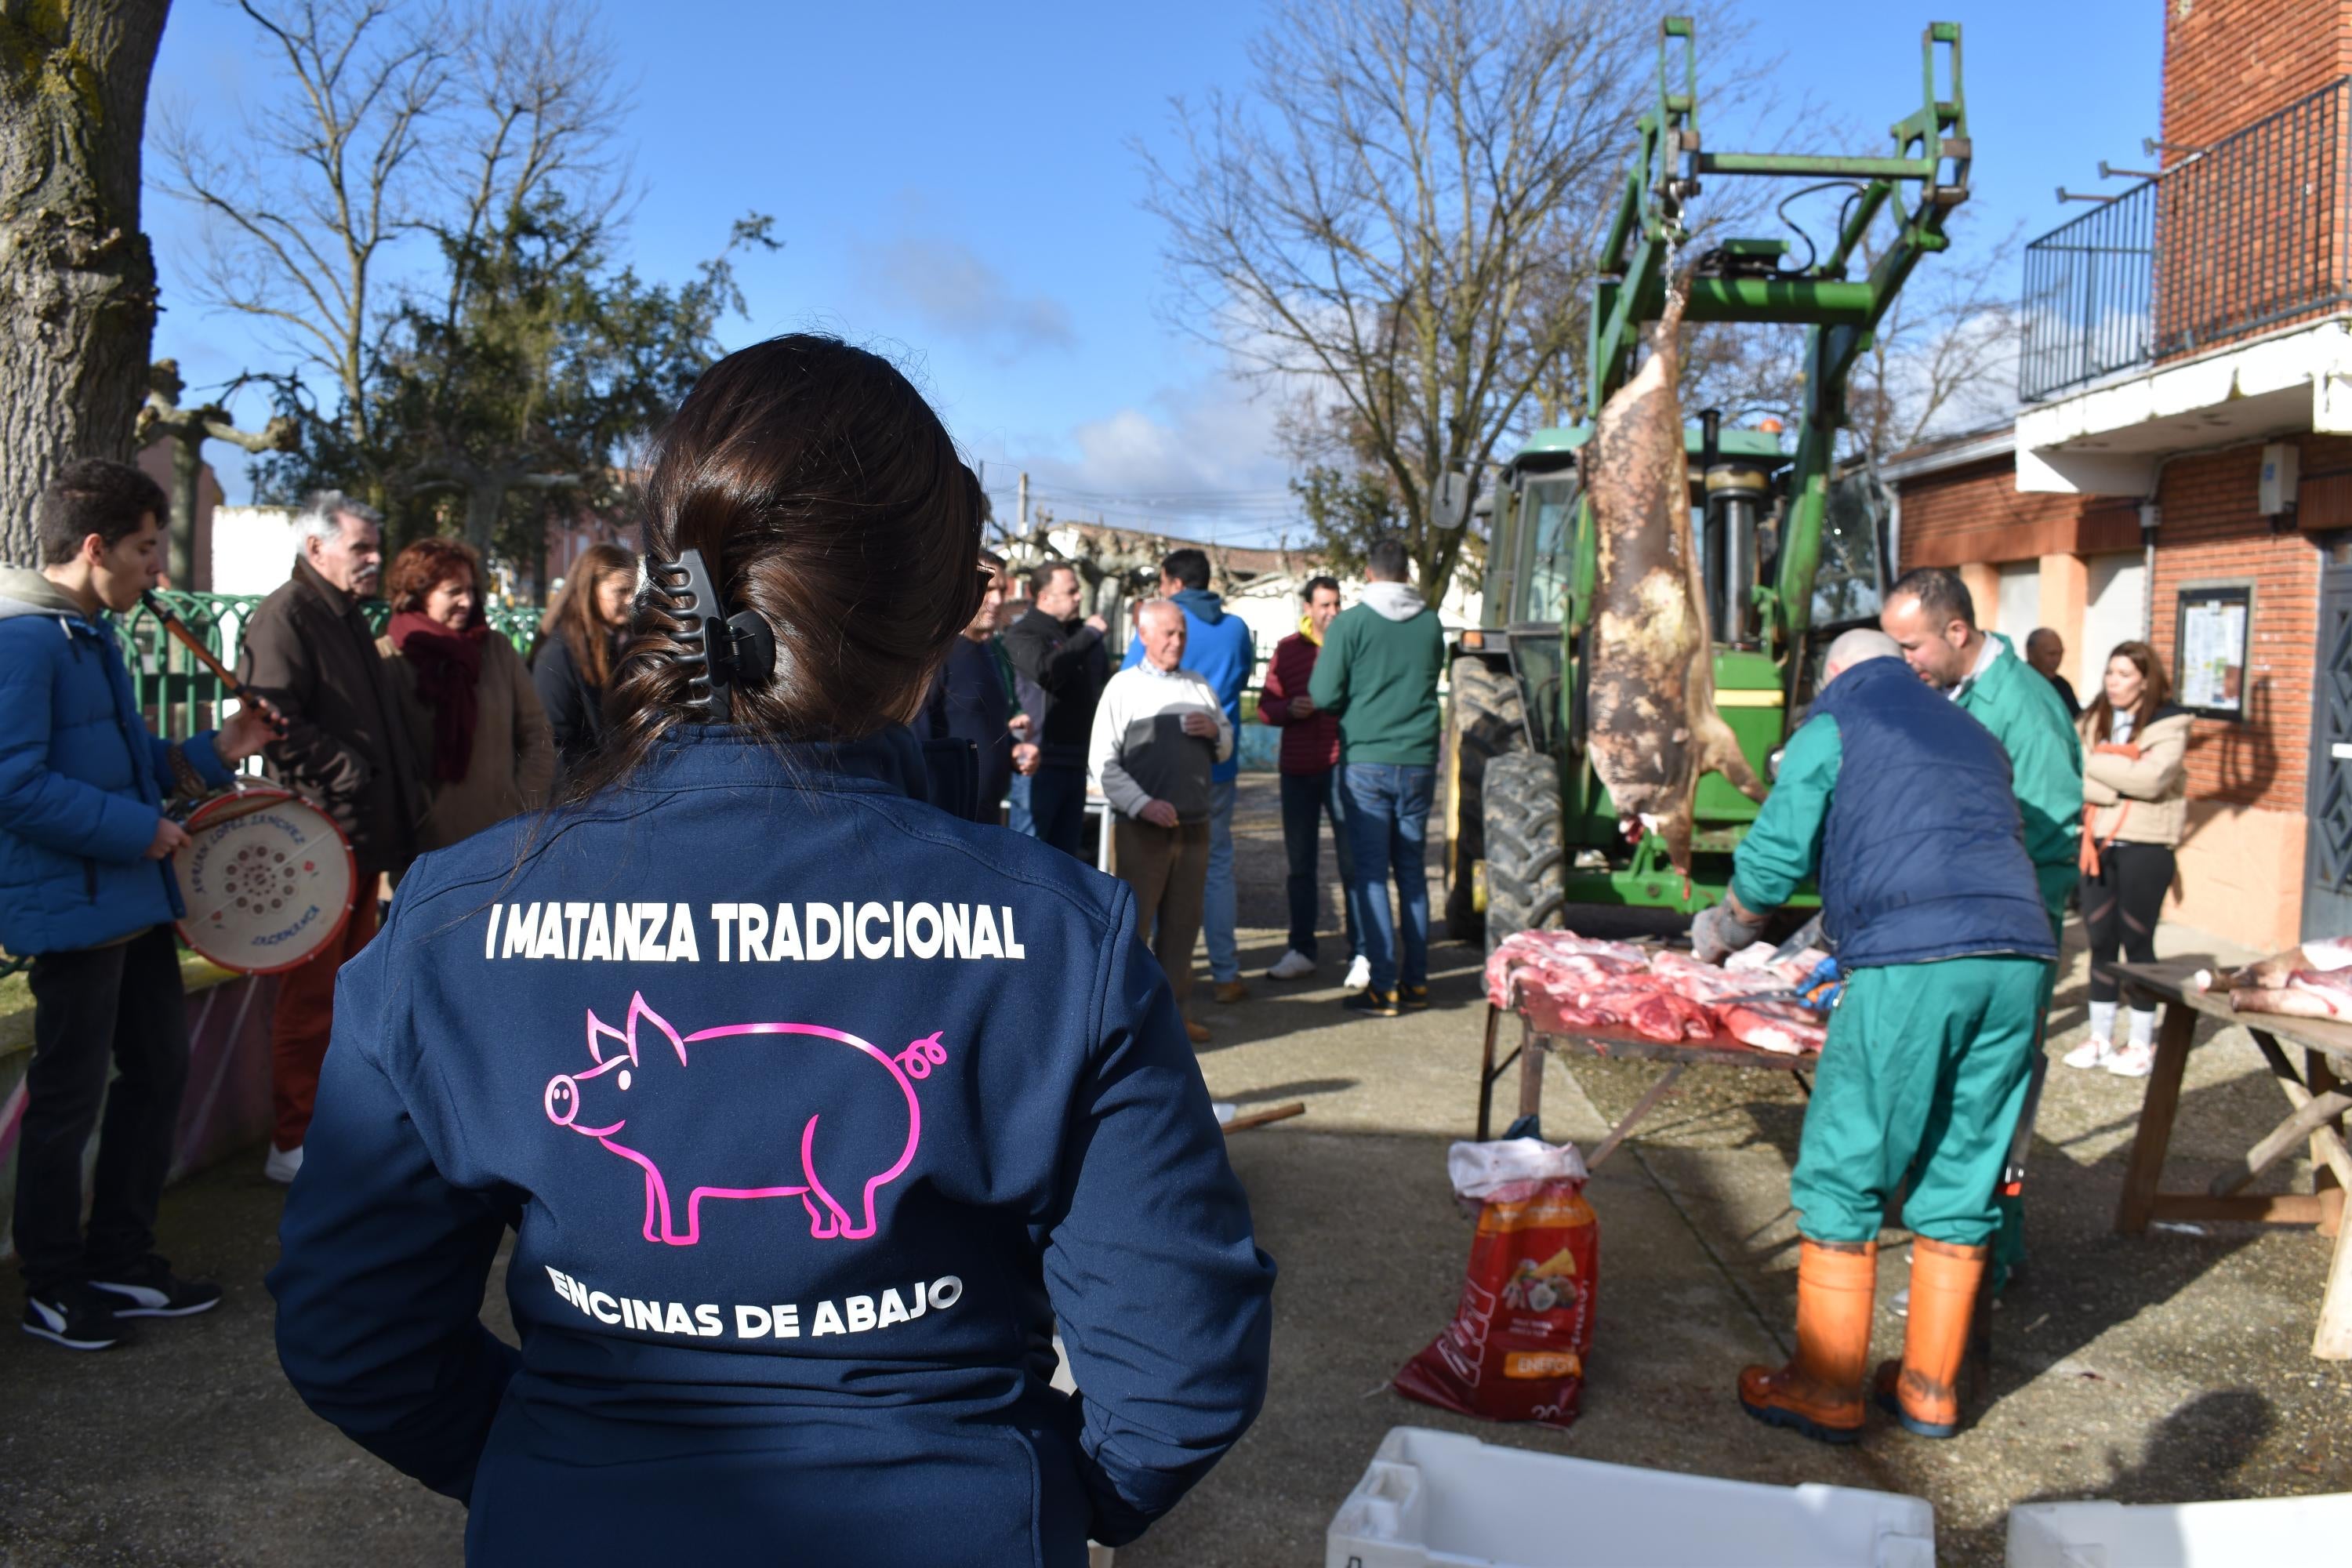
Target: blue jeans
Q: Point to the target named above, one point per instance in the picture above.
(1386, 805)
(1057, 805)
(1016, 806)
(1217, 910)
(1306, 798)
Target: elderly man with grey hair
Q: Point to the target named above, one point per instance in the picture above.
(1899, 805)
(1158, 732)
(309, 650)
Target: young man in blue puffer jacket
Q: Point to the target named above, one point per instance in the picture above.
(86, 890)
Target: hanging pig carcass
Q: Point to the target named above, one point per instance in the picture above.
(1653, 728)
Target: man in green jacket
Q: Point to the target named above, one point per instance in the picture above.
(1930, 613)
(1378, 673)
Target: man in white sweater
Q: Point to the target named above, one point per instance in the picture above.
(1157, 731)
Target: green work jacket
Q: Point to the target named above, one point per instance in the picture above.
(2045, 758)
(1783, 846)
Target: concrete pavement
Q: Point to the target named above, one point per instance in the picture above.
(2167, 1367)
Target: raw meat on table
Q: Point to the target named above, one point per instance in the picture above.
(1568, 983)
(2302, 994)
(2324, 956)
(1552, 959)
(1779, 1026)
(1705, 982)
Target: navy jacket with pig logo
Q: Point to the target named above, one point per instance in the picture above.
(815, 1112)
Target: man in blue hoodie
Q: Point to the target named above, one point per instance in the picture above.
(86, 888)
(1219, 648)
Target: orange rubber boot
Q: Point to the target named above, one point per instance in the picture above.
(1922, 1390)
(1818, 1393)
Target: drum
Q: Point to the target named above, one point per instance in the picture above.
(268, 878)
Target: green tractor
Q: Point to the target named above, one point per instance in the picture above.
(1793, 544)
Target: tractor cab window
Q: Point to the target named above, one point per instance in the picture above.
(1852, 580)
(1548, 549)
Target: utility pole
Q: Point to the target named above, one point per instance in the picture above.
(1024, 504)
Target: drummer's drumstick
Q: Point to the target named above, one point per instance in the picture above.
(1260, 1118)
(194, 645)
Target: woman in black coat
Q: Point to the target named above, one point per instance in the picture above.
(575, 660)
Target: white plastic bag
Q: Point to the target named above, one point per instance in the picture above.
(1505, 1170)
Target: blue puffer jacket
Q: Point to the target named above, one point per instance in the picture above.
(81, 781)
(1221, 650)
(1923, 855)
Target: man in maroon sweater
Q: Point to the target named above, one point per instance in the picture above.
(1310, 761)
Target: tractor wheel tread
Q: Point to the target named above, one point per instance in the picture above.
(1523, 842)
(1484, 720)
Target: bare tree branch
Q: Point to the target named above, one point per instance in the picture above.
(1397, 218)
(318, 182)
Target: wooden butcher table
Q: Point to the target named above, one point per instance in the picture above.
(2318, 1102)
(1536, 1042)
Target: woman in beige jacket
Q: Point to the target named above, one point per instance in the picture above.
(2135, 794)
(473, 712)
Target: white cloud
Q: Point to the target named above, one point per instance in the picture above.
(1192, 459)
(953, 291)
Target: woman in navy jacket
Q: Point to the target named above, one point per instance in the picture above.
(815, 1110)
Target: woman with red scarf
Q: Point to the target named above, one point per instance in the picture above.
(472, 709)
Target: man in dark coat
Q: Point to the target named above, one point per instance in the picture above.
(2045, 651)
(309, 650)
(1062, 667)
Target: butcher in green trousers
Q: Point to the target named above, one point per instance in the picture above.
(1898, 806)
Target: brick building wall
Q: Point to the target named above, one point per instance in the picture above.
(2212, 533)
(1976, 513)
(2250, 234)
(2229, 62)
(2241, 862)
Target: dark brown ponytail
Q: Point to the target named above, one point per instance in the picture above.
(825, 495)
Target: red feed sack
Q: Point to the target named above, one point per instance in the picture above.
(1517, 1346)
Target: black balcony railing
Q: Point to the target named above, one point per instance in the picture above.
(2255, 231)
(2087, 288)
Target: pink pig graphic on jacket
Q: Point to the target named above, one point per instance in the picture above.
(622, 1104)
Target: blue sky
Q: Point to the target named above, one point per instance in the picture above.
(955, 187)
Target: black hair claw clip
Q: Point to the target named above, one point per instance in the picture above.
(733, 650)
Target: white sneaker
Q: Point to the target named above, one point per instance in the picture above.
(282, 1164)
(1901, 1305)
(2091, 1053)
(1359, 974)
(2132, 1061)
(1292, 965)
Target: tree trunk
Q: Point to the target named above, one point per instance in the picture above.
(77, 276)
(187, 482)
(485, 497)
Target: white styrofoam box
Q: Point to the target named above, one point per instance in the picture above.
(1439, 1499)
(2179, 1535)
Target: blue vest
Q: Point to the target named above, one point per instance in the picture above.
(1923, 856)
